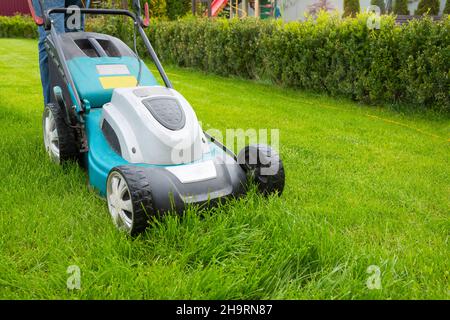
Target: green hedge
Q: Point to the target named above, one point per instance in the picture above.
(407, 64)
(17, 27)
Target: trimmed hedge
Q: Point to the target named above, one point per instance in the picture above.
(17, 27)
(397, 64)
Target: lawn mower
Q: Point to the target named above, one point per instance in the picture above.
(141, 142)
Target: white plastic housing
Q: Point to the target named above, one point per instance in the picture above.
(143, 139)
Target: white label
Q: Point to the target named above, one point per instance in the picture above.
(112, 69)
(194, 172)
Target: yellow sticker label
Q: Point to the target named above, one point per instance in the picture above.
(118, 82)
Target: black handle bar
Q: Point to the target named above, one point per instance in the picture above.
(92, 11)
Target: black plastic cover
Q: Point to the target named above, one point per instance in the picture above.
(167, 111)
(169, 193)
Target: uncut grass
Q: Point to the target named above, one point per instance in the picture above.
(365, 186)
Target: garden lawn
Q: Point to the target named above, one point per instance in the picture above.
(365, 186)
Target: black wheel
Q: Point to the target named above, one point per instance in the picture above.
(129, 199)
(264, 166)
(59, 138)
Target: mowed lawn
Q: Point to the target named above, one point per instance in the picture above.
(365, 186)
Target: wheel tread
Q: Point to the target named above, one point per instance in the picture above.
(68, 149)
(141, 196)
(274, 183)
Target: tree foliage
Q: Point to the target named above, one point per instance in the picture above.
(351, 8)
(401, 7)
(178, 8)
(157, 8)
(447, 7)
(428, 6)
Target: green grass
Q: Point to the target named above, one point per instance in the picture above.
(365, 186)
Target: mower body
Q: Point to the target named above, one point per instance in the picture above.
(142, 144)
(148, 126)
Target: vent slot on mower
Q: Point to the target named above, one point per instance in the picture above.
(87, 48)
(111, 137)
(109, 48)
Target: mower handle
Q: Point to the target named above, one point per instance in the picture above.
(140, 24)
(43, 20)
(146, 21)
(122, 12)
(137, 8)
(93, 11)
(38, 20)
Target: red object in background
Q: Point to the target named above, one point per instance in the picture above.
(147, 15)
(217, 6)
(11, 7)
(39, 20)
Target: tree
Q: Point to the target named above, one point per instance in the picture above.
(428, 6)
(351, 8)
(401, 7)
(380, 4)
(178, 8)
(447, 7)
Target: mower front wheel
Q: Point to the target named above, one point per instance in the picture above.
(59, 138)
(129, 199)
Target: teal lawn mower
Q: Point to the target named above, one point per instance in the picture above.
(141, 142)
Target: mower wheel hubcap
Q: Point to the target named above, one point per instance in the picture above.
(51, 138)
(119, 201)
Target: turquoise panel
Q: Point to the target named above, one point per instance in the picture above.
(86, 78)
(101, 158)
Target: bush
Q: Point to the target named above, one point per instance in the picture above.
(428, 6)
(158, 8)
(178, 8)
(17, 27)
(351, 8)
(396, 64)
(401, 7)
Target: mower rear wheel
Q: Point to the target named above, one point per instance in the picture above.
(59, 138)
(129, 199)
